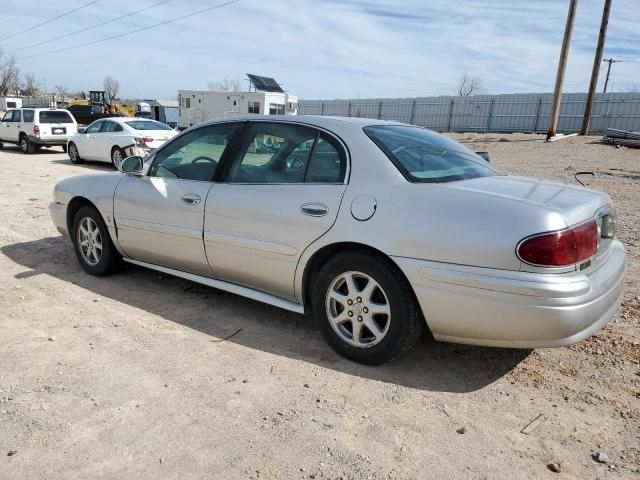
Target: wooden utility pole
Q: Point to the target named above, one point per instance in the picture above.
(562, 64)
(596, 69)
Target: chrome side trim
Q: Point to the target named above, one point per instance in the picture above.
(227, 287)
(124, 222)
(251, 243)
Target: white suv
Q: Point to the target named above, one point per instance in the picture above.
(32, 128)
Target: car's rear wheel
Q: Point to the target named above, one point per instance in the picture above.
(26, 145)
(92, 243)
(117, 155)
(74, 155)
(365, 308)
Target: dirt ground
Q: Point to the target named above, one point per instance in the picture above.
(142, 375)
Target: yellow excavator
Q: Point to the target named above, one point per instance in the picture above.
(102, 99)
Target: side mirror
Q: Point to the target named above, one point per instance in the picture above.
(294, 163)
(484, 155)
(131, 166)
(81, 130)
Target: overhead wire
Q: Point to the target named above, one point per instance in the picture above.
(69, 12)
(91, 27)
(149, 27)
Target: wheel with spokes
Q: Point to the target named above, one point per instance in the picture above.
(92, 243)
(117, 155)
(74, 155)
(365, 308)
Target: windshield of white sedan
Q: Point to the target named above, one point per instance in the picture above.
(147, 125)
(428, 157)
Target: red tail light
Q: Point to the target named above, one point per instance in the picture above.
(561, 248)
(147, 139)
(36, 130)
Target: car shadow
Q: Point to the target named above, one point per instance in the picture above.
(431, 366)
(11, 149)
(101, 166)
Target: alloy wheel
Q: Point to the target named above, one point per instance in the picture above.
(89, 241)
(73, 153)
(358, 309)
(116, 157)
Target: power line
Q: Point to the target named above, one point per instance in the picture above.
(131, 31)
(49, 21)
(92, 26)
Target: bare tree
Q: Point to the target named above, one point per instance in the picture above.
(635, 88)
(30, 85)
(468, 85)
(112, 86)
(9, 74)
(62, 92)
(225, 85)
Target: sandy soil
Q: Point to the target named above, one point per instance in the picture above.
(130, 376)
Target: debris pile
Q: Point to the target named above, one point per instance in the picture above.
(622, 137)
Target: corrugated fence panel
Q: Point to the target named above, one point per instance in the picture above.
(497, 113)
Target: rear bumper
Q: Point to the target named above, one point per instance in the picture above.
(57, 141)
(498, 308)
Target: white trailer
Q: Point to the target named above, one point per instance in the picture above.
(10, 102)
(200, 105)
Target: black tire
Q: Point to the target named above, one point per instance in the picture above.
(64, 148)
(109, 260)
(406, 323)
(117, 150)
(74, 155)
(26, 145)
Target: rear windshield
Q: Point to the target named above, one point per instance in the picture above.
(428, 157)
(148, 125)
(55, 116)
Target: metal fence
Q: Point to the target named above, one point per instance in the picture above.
(484, 113)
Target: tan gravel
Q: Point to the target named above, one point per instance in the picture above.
(129, 376)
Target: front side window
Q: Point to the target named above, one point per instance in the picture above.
(278, 153)
(276, 109)
(27, 115)
(111, 127)
(55, 116)
(424, 156)
(254, 107)
(94, 127)
(8, 117)
(194, 155)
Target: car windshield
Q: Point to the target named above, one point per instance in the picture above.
(148, 125)
(428, 157)
(55, 116)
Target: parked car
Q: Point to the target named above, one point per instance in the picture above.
(112, 139)
(379, 229)
(32, 128)
(86, 114)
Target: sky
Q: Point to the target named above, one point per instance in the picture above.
(323, 49)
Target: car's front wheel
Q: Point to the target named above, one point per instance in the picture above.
(365, 308)
(92, 243)
(74, 155)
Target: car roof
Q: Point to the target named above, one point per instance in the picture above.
(322, 121)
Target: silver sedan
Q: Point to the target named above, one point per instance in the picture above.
(380, 230)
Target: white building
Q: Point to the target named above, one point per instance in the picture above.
(269, 99)
(10, 102)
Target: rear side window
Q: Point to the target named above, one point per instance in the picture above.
(148, 125)
(27, 115)
(428, 157)
(55, 116)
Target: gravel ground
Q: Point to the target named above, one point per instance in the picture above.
(142, 375)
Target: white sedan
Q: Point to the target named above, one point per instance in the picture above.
(113, 139)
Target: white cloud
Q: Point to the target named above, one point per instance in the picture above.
(331, 48)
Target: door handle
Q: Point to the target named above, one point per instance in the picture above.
(314, 209)
(191, 198)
